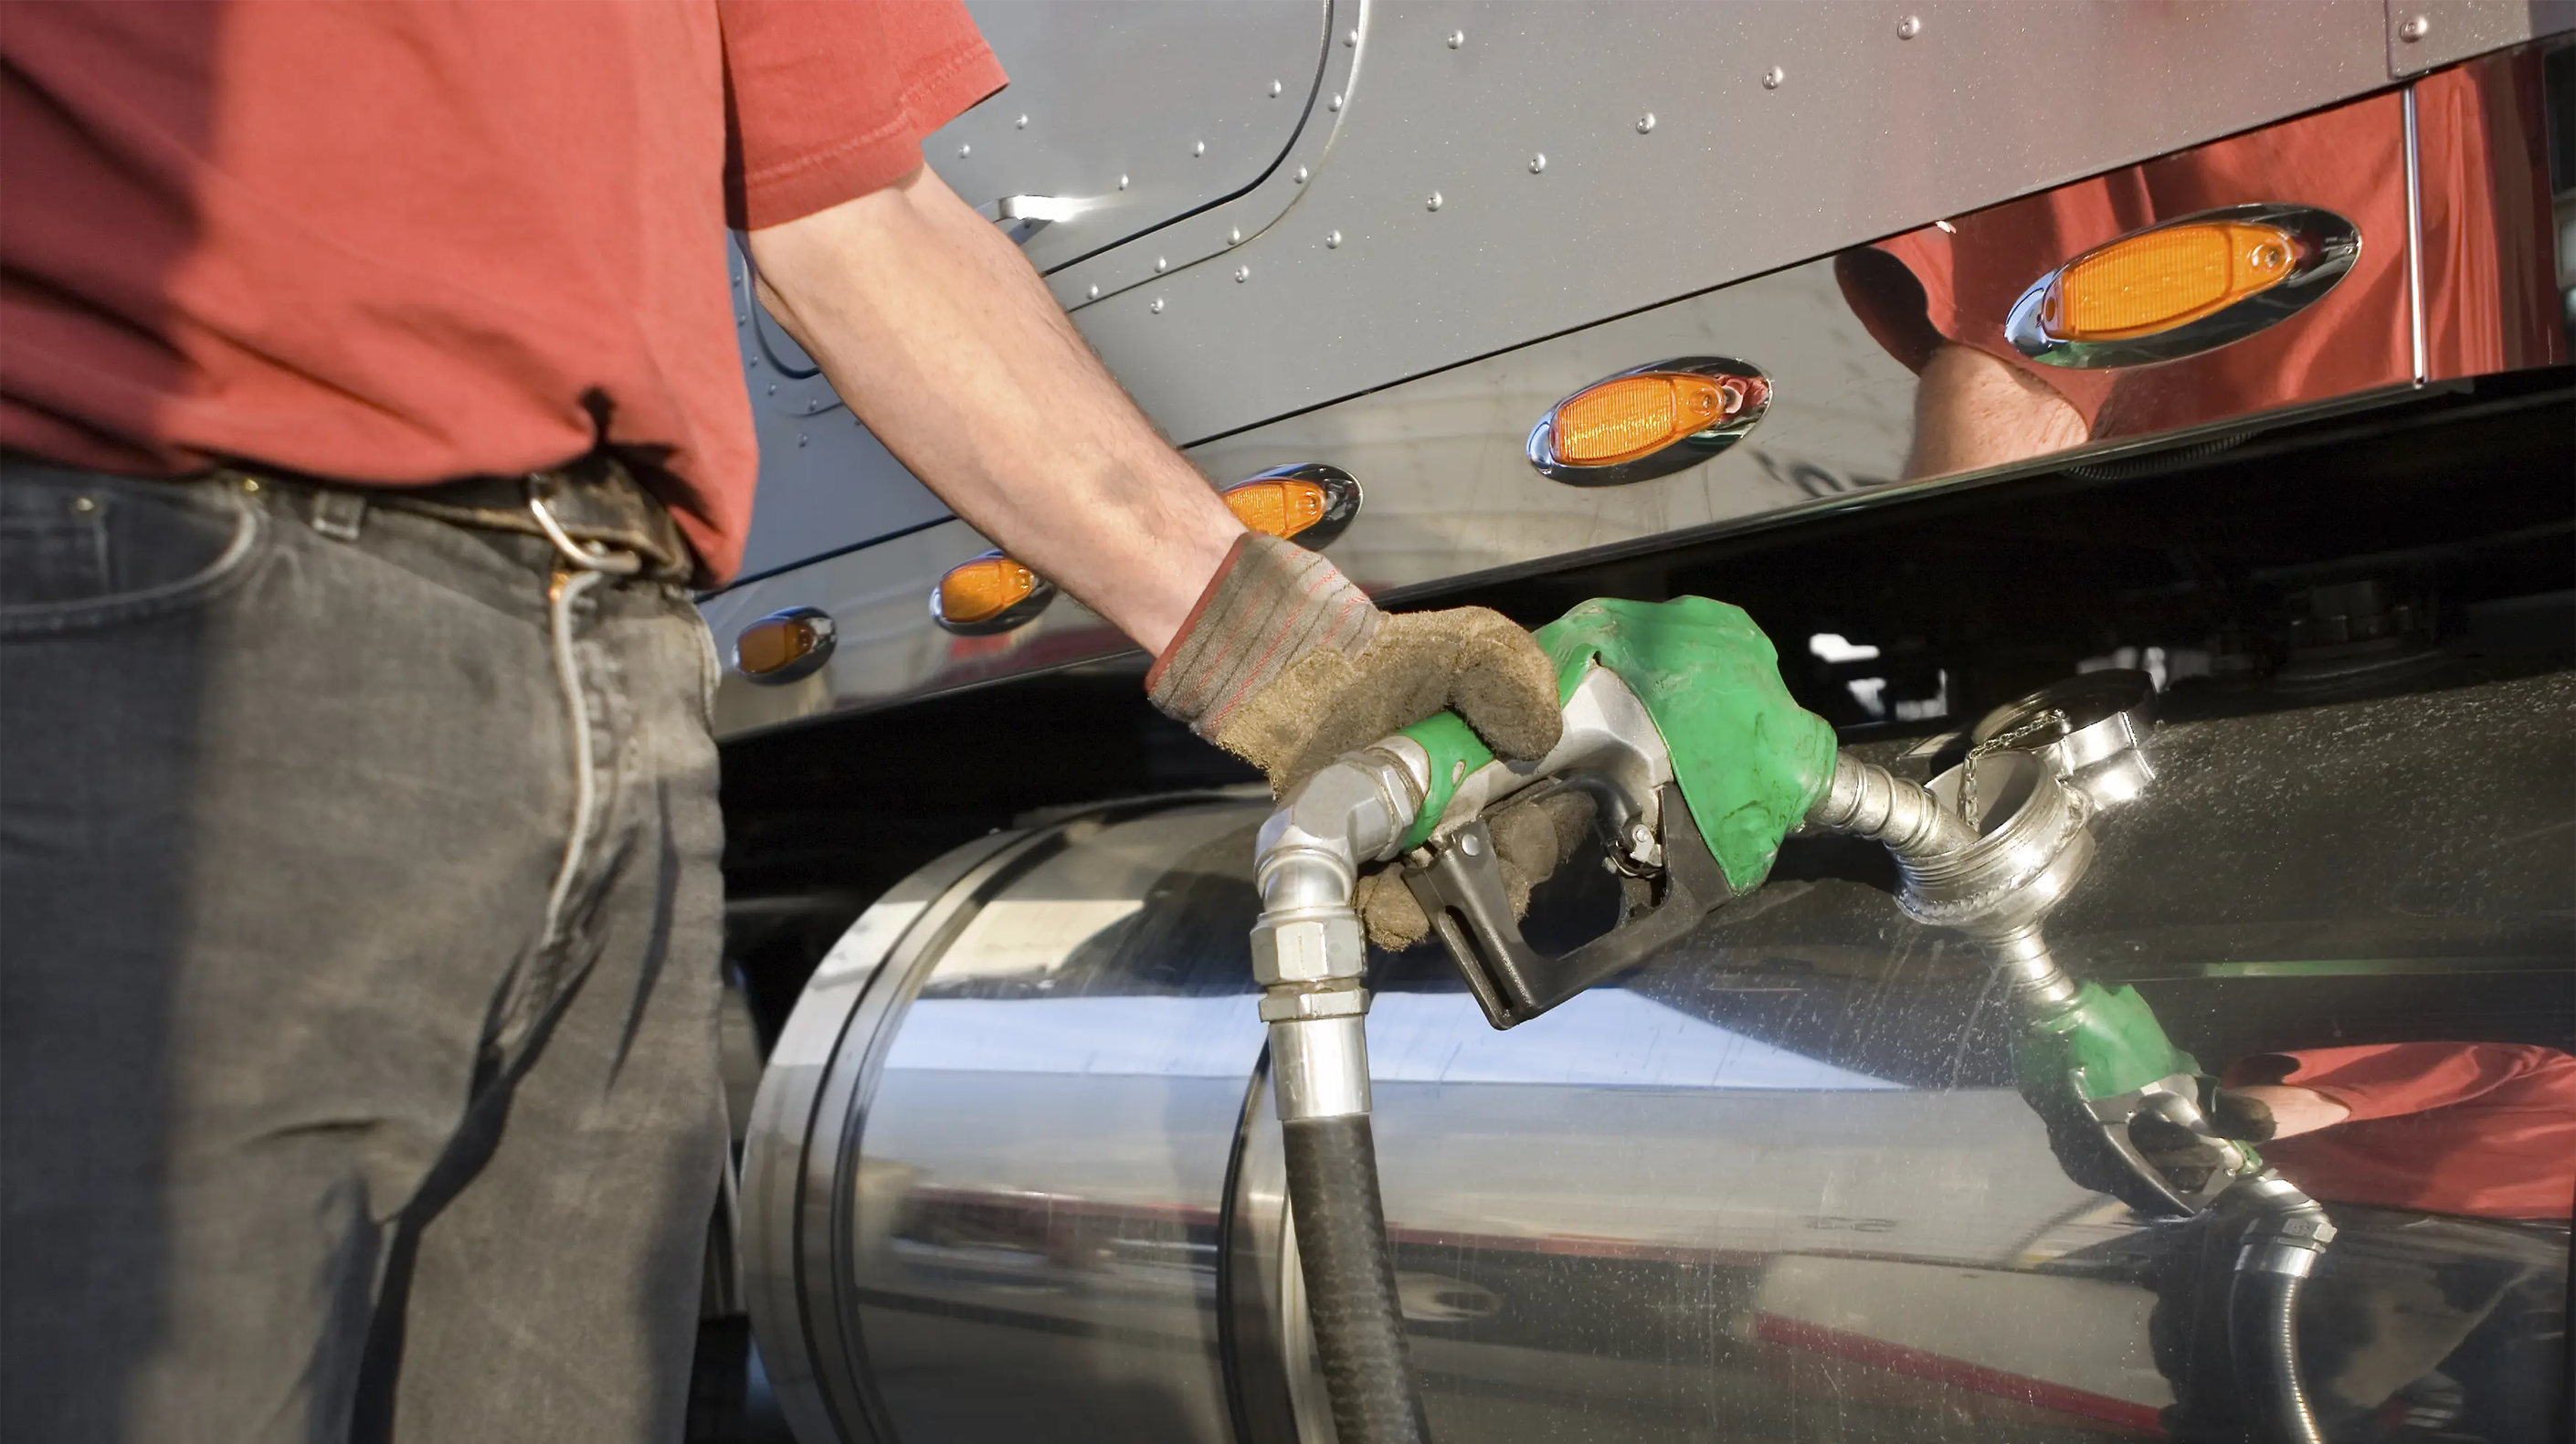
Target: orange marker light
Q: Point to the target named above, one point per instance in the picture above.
(2165, 278)
(980, 590)
(1636, 416)
(774, 644)
(1278, 508)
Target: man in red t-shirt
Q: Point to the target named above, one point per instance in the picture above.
(368, 402)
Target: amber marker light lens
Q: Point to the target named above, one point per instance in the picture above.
(1636, 416)
(982, 589)
(1278, 508)
(773, 645)
(2165, 278)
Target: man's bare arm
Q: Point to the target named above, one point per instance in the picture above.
(941, 337)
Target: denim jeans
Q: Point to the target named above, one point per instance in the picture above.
(358, 932)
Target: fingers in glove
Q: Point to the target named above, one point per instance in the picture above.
(1389, 913)
(2241, 1116)
(1537, 837)
(1502, 683)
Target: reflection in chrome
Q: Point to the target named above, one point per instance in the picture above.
(1015, 1173)
(1747, 396)
(2322, 248)
(1017, 614)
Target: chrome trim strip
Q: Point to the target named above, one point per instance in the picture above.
(2415, 242)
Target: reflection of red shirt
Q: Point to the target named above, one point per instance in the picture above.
(2486, 250)
(2487, 1129)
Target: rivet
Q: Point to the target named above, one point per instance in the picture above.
(1772, 77)
(1242, 273)
(964, 151)
(1646, 122)
(1467, 844)
(1122, 182)
(1332, 240)
(1351, 39)
(250, 483)
(1538, 162)
(753, 363)
(1335, 103)
(741, 320)
(1457, 38)
(1275, 88)
(1301, 175)
(1234, 237)
(84, 504)
(1432, 204)
(1157, 307)
(1095, 293)
(1198, 147)
(802, 438)
(2415, 28)
(1161, 264)
(773, 388)
(1947, 229)
(1909, 27)
(1022, 122)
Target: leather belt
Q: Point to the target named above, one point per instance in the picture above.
(595, 500)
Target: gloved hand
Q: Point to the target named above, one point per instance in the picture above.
(2185, 1158)
(1287, 665)
(1532, 839)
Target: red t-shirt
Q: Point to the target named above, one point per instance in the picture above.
(402, 243)
(2485, 1129)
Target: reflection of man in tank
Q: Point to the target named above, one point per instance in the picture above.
(2450, 1171)
(1936, 298)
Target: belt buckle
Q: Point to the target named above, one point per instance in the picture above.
(588, 556)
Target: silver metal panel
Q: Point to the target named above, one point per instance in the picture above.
(1441, 458)
(1776, 1184)
(1866, 134)
(1133, 113)
(2426, 34)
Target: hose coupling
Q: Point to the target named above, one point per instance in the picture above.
(2289, 1233)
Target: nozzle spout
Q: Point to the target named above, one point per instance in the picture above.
(1866, 800)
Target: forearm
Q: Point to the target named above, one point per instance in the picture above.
(942, 339)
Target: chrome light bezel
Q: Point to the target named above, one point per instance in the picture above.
(1341, 498)
(1011, 618)
(2328, 246)
(1683, 452)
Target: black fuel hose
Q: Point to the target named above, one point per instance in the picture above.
(2280, 1246)
(2263, 1334)
(1350, 1280)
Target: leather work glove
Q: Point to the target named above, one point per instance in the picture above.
(1287, 665)
(2184, 1157)
(1532, 839)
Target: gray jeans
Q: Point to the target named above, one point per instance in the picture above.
(357, 1046)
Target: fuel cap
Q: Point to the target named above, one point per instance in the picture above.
(2090, 729)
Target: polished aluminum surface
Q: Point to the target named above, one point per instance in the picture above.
(1860, 407)
(1777, 1183)
(1174, 100)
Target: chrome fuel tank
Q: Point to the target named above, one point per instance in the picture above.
(1013, 1174)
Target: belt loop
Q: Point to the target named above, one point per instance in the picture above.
(339, 514)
